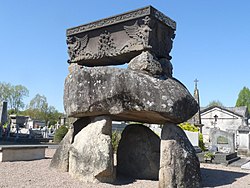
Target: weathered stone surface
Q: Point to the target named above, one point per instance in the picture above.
(138, 154)
(60, 159)
(91, 155)
(179, 165)
(117, 39)
(167, 67)
(126, 95)
(145, 62)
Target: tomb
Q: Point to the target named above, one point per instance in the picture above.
(97, 94)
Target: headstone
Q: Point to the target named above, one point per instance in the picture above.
(4, 113)
(138, 154)
(179, 165)
(213, 149)
(246, 166)
(244, 141)
(224, 141)
(3, 116)
(193, 137)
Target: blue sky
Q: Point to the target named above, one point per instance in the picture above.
(212, 43)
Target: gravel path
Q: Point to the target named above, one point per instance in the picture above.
(36, 174)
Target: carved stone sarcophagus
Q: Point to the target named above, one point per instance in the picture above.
(116, 40)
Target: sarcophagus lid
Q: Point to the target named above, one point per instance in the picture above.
(117, 39)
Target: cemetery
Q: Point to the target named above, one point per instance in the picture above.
(153, 146)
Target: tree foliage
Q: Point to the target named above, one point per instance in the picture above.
(244, 98)
(39, 109)
(215, 103)
(60, 133)
(14, 95)
(189, 127)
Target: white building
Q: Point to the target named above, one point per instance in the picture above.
(224, 118)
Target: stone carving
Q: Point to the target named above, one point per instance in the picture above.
(123, 17)
(137, 31)
(76, 47)
(106, 46)
(139, 36)
(164, 19)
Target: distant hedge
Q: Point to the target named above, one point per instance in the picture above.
(60, 133)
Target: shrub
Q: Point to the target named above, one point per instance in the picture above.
(208, 155)
(60, 133)
(188, 127)
(116, 137)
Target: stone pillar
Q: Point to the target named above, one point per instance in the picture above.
(91, 155)
(179, 165)
(3, 117)
(244, 141)
(60, 159)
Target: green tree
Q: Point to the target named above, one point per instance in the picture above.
(14, 95)
(244, 98)
(5, 91)
(39, 108)
(215, 103)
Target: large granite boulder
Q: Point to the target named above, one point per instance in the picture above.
(60, 159)
(179, 165)
(138, 154)
(126, 95)
(91, 155)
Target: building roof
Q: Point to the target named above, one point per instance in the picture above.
(240, 111)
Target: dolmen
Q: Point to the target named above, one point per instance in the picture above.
(96, 93)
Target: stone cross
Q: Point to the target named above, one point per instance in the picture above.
(196, 82)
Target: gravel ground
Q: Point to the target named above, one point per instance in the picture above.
(37, 174)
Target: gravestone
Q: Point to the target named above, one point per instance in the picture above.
(193, 137)
(244, 141)
(4, 113)
(3, 116)
(145, 92)
(224, 141)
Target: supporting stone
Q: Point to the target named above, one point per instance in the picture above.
(179, 165)
(60, 159)
(91, 154)
(138, 154)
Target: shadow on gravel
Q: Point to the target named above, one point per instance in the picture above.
(214, 178)
(123, 180)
